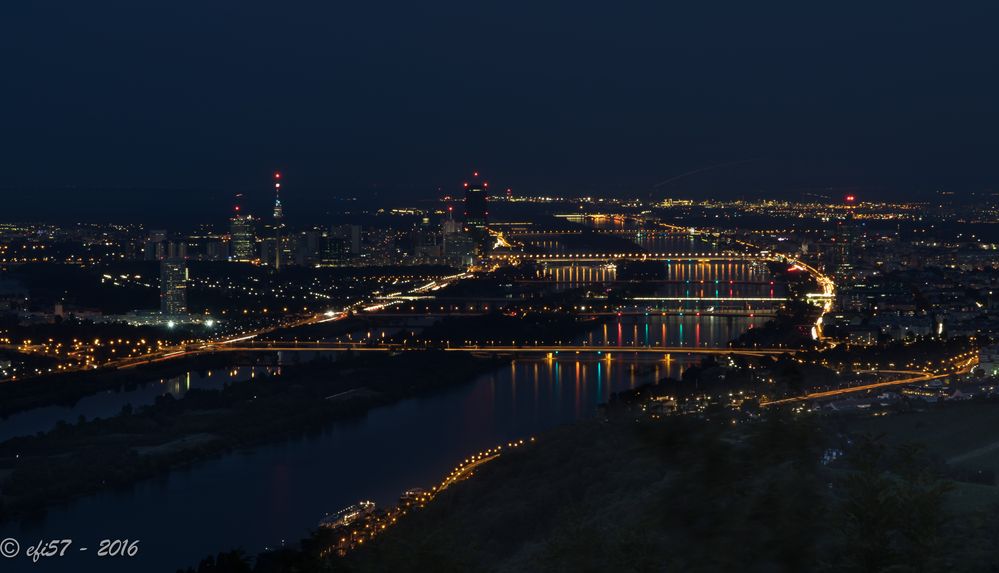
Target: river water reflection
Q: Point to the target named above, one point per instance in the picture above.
(255, 499)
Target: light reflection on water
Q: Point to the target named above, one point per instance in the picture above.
(655, 330)
(256, 498)
(279, 491)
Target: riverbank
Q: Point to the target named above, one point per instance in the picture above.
(65, 389)
(81, 458)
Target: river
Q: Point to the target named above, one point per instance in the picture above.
(258, 498)
(276, 493)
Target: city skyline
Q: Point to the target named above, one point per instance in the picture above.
(498, 287)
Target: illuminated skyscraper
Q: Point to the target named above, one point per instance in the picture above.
(243, 237)
(847, 242)
(476, 203)
(173, 280)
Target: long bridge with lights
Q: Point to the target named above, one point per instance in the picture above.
(522, 233)
(710, 311)
(709, 256)
(553, 349)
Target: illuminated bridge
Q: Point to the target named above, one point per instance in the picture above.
(475, 348)
(588, 231)
(610, 257)
(709, 311)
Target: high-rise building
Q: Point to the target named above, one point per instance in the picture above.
(476, 203)
(173, 280)
(351, 234)
(457, 248)
(153, 247)
(450, 226)
(848, 242)
(243, 238)
(336, 252)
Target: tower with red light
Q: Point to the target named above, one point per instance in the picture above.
(278, 222)
(278, 212)
(476, 203)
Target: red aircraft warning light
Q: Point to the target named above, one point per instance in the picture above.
(851, 198)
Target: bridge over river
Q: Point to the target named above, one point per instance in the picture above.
(609, 257)
(488, 348)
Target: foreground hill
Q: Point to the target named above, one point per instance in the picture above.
(629, 492)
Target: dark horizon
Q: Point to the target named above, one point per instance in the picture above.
(186, 208)
(567, 100)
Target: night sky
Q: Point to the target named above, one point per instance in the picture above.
(577, 97)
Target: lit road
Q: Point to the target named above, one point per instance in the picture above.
(910, 377)
(175, 352)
